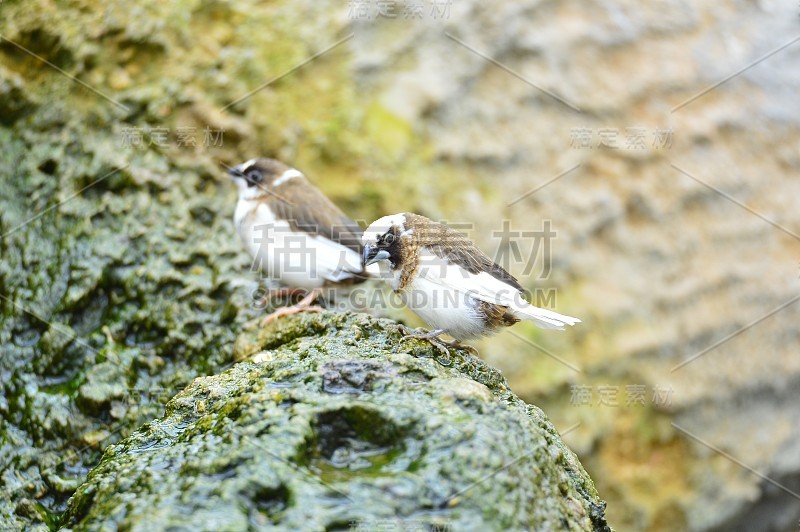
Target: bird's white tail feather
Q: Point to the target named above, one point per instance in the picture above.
(543, 318)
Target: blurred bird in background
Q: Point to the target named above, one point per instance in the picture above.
(295, 234)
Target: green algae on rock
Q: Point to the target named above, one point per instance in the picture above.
(336, 421)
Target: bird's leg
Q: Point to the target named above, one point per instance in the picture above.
(304, 305)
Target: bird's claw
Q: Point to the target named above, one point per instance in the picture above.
(432, 337)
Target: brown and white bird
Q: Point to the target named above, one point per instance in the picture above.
(447, 281)
(295, 234)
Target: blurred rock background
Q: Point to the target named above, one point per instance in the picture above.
(679, 228)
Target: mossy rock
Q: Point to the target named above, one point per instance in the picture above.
(335, 421)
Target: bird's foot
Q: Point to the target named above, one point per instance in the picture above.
(420, 333)
(432, 337)
(458, 345)
(304, 305)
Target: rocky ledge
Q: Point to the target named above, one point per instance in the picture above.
(335, 421)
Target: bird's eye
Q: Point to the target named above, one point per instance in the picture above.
(255, 176)
(389, 238)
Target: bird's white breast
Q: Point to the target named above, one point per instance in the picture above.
(443, 308)
(439, 305)
(243, 208)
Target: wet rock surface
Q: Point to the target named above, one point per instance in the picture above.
(336, 421)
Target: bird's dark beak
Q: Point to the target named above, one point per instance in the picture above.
(373, 255)
(234, 173)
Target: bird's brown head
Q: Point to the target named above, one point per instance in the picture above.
(388, 239)
(254, 177)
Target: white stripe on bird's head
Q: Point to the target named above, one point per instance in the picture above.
(245, 166)
(380, 226)
(286, 176)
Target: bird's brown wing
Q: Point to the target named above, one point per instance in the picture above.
(309, 210)
(447, 243)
